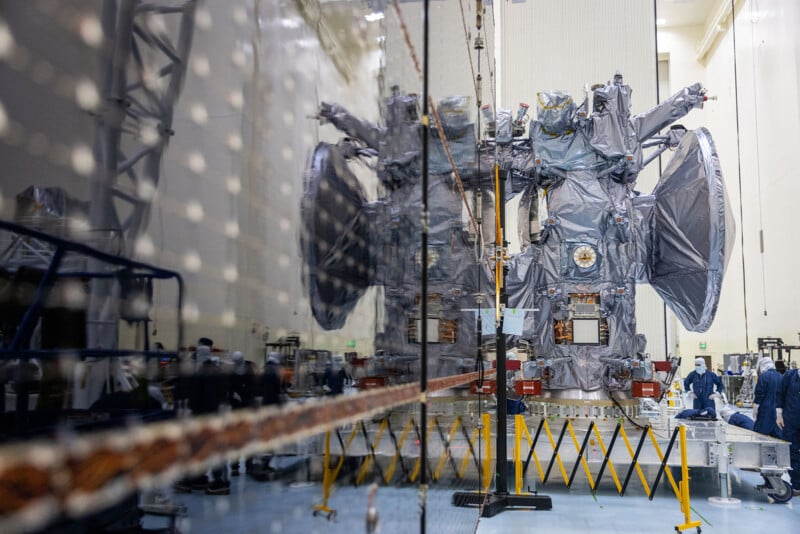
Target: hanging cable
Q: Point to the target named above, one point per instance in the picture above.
(758, 162)
(490, 62)
(739, 166)
(469, 53)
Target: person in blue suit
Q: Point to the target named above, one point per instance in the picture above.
(788, 419)
(732, 417)
(765, 397)
(704, 386)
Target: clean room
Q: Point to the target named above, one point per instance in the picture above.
(399, 265)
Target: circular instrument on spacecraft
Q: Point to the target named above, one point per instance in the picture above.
(584, 256)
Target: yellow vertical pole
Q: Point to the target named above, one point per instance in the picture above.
(519, 423)
(327, 477)
(686, 507)
(487, 459)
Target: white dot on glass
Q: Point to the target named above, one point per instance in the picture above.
(74, 296)
(146, 189)
(144, 246)
(289, 83)
(148, 134)
(192, 262)
(196, 162)
(235, 142)
(86, 95)
(288, 118)
(239, 58)
(283, 297)
(79, 224)
(230, 273)
(194, 211)
(287, 153)
(308, 139)
(285, 224)
(82, 160)
(232, 229)
(199, 113)
(234, 185)
(240, 15)
(286, 189)
(190, 312)
(202, 18)
(91, 31)
(3, 120)
(201, 67)
(276, 527)
(228, 318)
(6, 40)
(284, 261)
(236, 99)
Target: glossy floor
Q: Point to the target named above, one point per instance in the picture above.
(281, 507)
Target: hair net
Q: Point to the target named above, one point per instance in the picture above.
(237, 356)
(511, 356)
(765, 364)
(726, 412)
(700, 361)
(273, 357)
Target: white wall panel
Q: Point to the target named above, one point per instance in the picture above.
(767, 58)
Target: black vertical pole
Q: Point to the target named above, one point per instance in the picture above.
(423, 377)
(501, 487)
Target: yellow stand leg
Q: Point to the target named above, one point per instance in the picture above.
(327, 481)
(686, 507)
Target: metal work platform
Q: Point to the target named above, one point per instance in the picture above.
(456, 451)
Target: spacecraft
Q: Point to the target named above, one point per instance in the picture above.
(588, 237)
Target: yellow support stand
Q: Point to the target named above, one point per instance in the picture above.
(661, 458)
(558, 456)
(610, 464)
(686, 507)
(465, 461)
(639, 471)
(520, 431)
(329, 475)
(519, 424)
(487, 458)
(584, 463)
(393, 464)
(368, 459)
